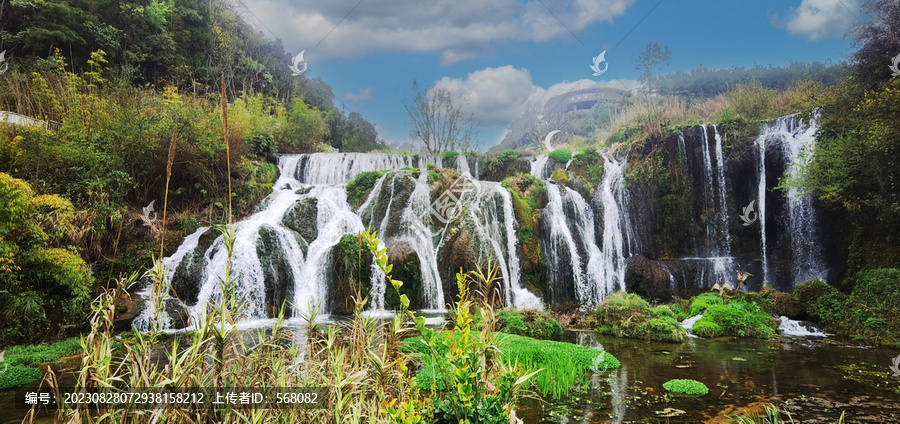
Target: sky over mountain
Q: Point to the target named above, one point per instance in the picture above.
(501, 57)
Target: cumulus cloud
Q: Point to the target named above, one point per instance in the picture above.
(458, 29)
(819, 19)
(497, 96)
(360, 95)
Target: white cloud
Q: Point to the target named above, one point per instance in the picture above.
(459, 29)
(818, 19)
(360, 95)
(497, 96)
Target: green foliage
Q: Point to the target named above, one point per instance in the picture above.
(627, 315)
(257, 184)
(261, 143)
(43, 287)
(16, 376)
(506, 156)
(529, 195)
(359, 187)
(38, 354)
(704, 301)
(736, 318)
(821, 302)
(560, 176)
(588, 166)
(687, 387)
(529, 323)
(872, 309)
(705, 83)
(561, 155)
(450, 154)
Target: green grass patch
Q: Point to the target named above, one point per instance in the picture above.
(686, 387)
(627, 315)
(702, 302)
(38, 354)
(564, 366)
(561, 155)
(537, 324)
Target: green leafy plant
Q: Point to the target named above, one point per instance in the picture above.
(16, 376)
(561, 155)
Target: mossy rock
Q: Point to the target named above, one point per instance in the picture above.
(351, 262)
(302, 217)
(277, 276)
(188, 273)
(627, 315)
(408, 270)
(686, 387)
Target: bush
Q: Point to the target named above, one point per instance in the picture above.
(535, 324)
(506, 156)
(687, 387)
(627, 315)
(561, 155)
(736, 318)
(822, 302)
(16, 376)
(450, 154)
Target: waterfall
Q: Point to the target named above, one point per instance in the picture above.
(619, 240)
(339, 168)
(718, 239)
(401, 222)
(462, 165)
(539, 167)
(495, 222)
(796, 143)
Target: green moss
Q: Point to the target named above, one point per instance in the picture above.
(559, 175)
(872, 310)
(561, 155)
(358, 188)
(449, 155)
(687, 387)
(821, 302)
(627, 315)
(433, 176)
(588, 167)
(351, 262)
(736, 318)
(16, 376)
(529, 195)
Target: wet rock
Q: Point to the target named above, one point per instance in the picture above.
(648, 279)
(189, 272)
(302, 217)
(276, 271)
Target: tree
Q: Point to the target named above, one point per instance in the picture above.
(651, 62)
(438, 122)
(877, 42)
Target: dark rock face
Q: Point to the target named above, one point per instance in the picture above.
(302, 217)
(276, 271)
(648, 279)
(406, 269)
(499, 171)
(189, 272)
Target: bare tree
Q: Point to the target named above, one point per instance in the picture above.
(438, 123)
(538, 125)
(651, 61)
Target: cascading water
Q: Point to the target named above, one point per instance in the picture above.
(796, 143)
(718, 239)
(619, 240)
(539, 167)
(338, 168)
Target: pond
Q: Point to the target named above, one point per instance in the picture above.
(814, 379)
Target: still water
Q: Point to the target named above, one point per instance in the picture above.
(813, 379)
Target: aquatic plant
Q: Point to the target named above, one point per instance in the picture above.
(687, 387)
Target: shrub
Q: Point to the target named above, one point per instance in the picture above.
(687, 387)
(627, 315)
(561, 155)
(506, 156)
(450, 154)
(16, 376)
(822, 302)
(535, 324)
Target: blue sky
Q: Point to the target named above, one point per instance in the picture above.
(500, 57)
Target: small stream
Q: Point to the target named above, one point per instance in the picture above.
(814, 379)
